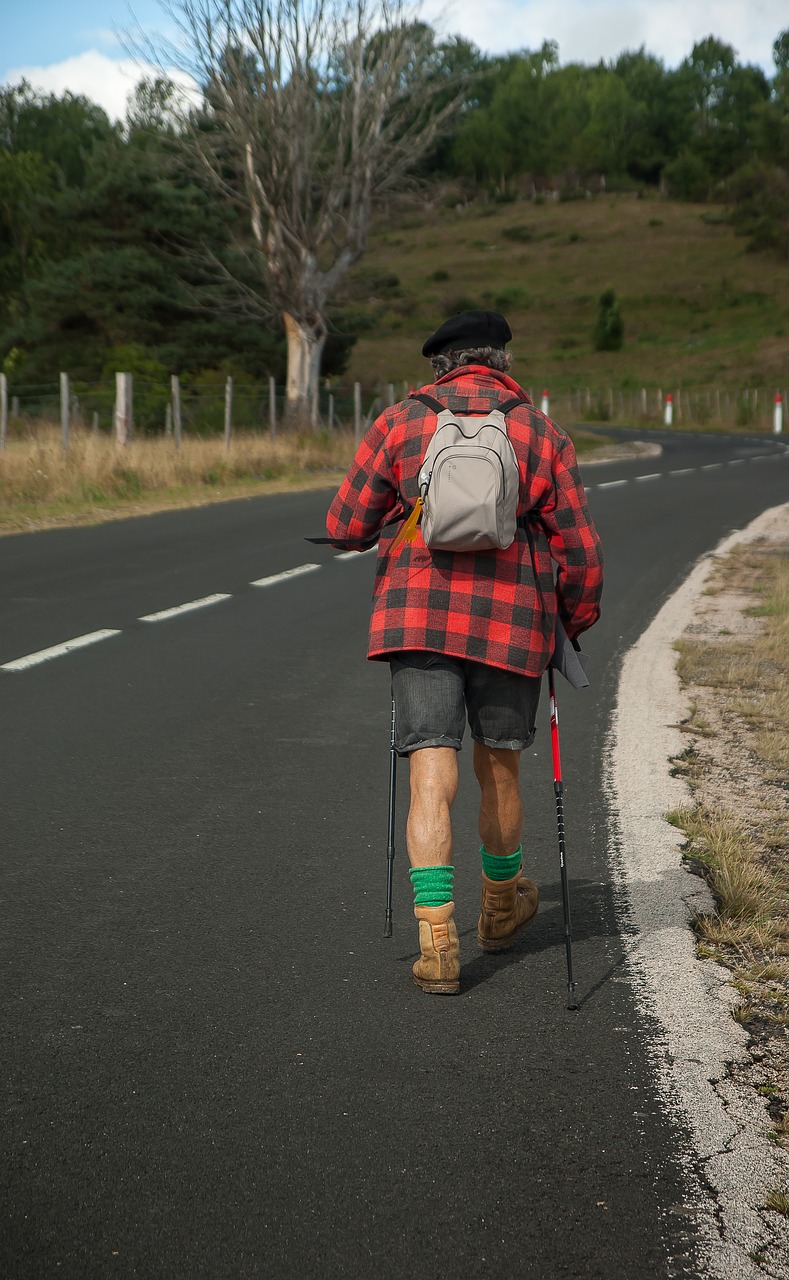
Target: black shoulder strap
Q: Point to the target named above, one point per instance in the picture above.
(431, 403)
(437, 407)
(509, 405)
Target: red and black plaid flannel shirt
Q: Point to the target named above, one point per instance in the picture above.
(482, 605)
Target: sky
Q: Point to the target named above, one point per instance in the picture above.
(77, 45)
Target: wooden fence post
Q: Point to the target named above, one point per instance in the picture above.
(168, 419)
(124, 410)
(64, 411)
(121, 410)
(331, 411)
(357, 411)
(3, 411)
(228, 412)
(390, 395)
(95, 423)
(175, 401)
(272, 405)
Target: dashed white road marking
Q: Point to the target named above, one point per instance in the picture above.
(354, 555)
(282, 577)
(57, 650)
(183, 608)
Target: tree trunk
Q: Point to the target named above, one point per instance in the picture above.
(305, 349)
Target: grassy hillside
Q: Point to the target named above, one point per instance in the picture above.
(699, 309)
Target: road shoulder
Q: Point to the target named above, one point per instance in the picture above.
(733, 1164)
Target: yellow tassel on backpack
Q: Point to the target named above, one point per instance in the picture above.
(410, 530)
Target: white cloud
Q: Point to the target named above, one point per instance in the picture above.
(588, 30)
(107, 81)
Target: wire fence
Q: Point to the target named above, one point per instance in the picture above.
(203, 410)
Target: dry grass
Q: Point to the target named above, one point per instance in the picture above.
(39, 482)
(40, 485)
(751, 904)
(778, 1200)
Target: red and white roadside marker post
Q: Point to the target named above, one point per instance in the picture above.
(545, 403)
(668, 410)
(778, 414)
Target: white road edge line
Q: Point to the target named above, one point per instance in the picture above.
(282, 577)
(736, 462)
(611, 484)
(57, 650)
(653, 475)
(682, 471)
(354, 555)
(182, 608)
(711, 466)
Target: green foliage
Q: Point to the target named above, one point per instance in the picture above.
(759, 196)
(105, 240)
(688, 177)
(609, 332)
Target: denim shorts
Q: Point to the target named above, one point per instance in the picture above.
(433, 694)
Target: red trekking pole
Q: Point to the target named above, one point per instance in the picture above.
(558, 791)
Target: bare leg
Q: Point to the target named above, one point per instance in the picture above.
(434, 784)
(501, 809)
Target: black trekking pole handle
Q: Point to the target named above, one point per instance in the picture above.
(390, 841)
(558, 790)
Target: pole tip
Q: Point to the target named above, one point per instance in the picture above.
(572, 999)
(388, 929)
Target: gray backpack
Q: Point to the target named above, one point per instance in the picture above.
(469, 481)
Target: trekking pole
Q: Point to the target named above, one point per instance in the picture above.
(558, 791)
(390, 842)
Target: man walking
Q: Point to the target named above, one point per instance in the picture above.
(468, 633)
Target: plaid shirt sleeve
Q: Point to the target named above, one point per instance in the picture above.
(574, 545)
(368, 494)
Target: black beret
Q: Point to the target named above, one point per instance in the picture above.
(469, 329)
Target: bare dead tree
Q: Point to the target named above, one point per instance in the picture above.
(312, 111)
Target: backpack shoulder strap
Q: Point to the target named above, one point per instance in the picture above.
(431, 403)
(511, 404)
(438, 407)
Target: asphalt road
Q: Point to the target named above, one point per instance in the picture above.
(213, 1064)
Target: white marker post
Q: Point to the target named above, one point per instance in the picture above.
(545, 403)
(778, 414)
(668, 410)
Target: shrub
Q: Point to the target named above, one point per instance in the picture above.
(609, 330)
(512, 297)
(688, 177)
(759, 196)
(521, 234)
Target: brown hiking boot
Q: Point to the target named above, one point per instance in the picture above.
(438, 968)
(507, 908)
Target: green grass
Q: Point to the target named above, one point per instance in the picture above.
(699, 310)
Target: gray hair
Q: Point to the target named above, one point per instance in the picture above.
(493, 357)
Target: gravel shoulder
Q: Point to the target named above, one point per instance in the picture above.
(708, 1065)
